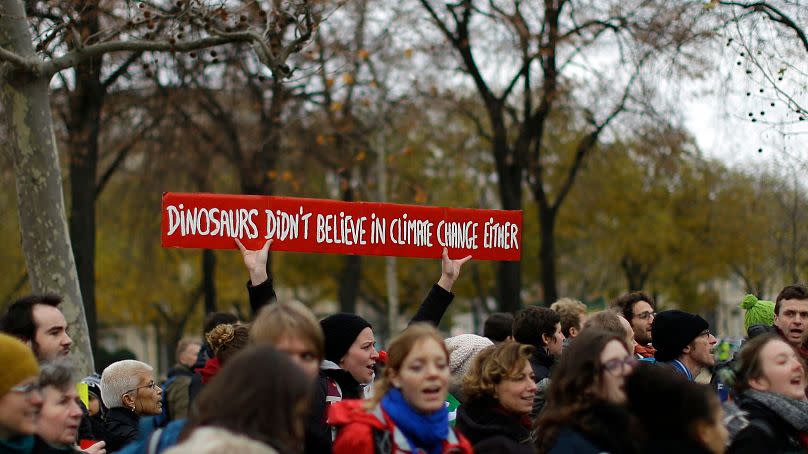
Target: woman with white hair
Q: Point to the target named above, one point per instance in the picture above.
(129, 391)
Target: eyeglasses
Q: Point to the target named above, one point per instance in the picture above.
(645, 315)
(613, 366)
(706, 333)
(151, 385)
(27, 388)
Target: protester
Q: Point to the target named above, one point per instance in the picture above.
(770, 386)
(60, 414)
(407, 412)
(259, 394)
(20, 399)
(211, 440)
(791, 316)
(675, 415)
(462, 351)
(638, 309)
(37, 321)
(758, 316)
(350, 353)
(225, 341)
(611, 321)
(498, 327)
(683, 341)
(212, 320)
(129, 391)
(540, 328)
(178, 382)
(585, 410)
(499, 390)
(95, 408)
(573, 316)
(291, 328)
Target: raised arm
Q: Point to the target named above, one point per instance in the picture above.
(259, 286)
(440, 296)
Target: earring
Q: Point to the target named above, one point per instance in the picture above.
(132, 407)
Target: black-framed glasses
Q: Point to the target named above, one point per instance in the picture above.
(613, 366)
(27, 388)
(645, 315)
(151, 385)
(706, 333)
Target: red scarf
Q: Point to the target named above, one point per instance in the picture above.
(646, 351)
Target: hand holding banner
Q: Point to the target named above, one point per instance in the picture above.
(212, 221)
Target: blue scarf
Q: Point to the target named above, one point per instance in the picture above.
(426, 431)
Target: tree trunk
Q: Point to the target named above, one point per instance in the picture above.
(509, 274)
(83, 127)
(31, 143)
(209, 280)
(547, 218)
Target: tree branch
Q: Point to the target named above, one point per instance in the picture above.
(774, 14)
(33, 65)
(77, 56)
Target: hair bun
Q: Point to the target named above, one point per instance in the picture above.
(221, 336)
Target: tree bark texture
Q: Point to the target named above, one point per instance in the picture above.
(32, 146)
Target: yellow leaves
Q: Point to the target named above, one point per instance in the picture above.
(408, 53)
(287, 176)
(329, 82)
(272, 174)
(361, 155)
(363, 54)
(348, 78)
(420, 195)
(336, 106)
(373, 84)
(406, 151)
(320, 139)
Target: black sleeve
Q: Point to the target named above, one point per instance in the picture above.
(434, 306)
(261, 295)
(318, 432)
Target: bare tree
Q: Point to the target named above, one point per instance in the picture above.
(26, 72)
(550, 48)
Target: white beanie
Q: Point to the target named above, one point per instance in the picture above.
(462, 351)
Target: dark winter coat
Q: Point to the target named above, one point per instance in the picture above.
(767, 432)
(542, 364)
(120, 428)
(603, 427)
(490, 429)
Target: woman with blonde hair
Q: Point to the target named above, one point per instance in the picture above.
(499, 391)
(291, 328)
(408, 411)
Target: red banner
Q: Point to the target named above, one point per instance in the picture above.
(212, 221)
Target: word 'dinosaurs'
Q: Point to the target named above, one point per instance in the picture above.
(212, 221)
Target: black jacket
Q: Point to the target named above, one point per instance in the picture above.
(491, 429)
(604, 426)
(767, 431)
(542, 363)
(120, 428)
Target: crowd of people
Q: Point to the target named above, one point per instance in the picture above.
(626, 379)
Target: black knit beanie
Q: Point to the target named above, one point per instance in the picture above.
(672, 331)
(341, 330)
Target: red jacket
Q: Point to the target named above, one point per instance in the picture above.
(361, 431)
